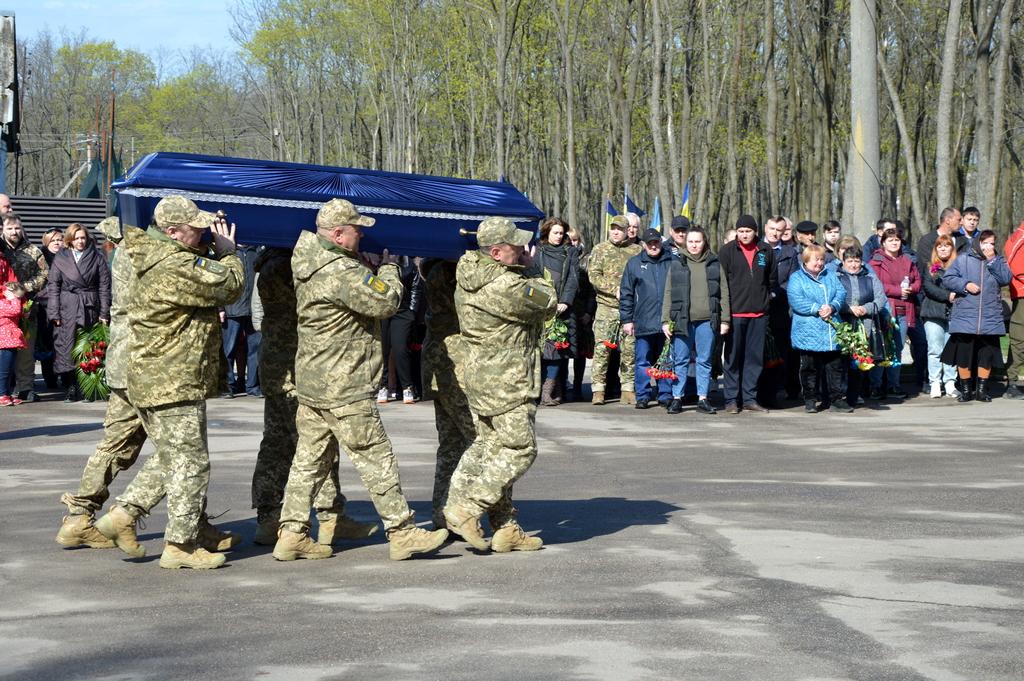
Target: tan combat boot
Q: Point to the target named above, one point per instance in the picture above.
(266, 533)
(78, 530)
(598, 397)
(292, 545)
(512, 538)
(213, 539)
(628, 398)
(466, 524)
(338, 527)
(177, 556)
(119, 525)
(405, 542)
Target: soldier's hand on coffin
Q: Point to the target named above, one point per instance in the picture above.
(526, 257)
(223, 237)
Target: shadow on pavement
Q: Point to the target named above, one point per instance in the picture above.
(52, 431)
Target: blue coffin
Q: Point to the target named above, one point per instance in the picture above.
(270, 201)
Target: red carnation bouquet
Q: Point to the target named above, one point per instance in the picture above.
(853, 341)
(90, 353)
(557, 334)
(612, 333)
(664, 368)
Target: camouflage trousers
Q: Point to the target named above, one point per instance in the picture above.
(123, 437)
(356, 427)
(274, 460)
(627, 355)
(25, 359)
(504, 449)
(180, 466)
(456, 431)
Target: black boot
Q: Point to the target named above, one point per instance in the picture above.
(966, 390)
(982, 394)
(69, 384)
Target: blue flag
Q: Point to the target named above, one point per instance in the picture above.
(656, 214)
(686, 211)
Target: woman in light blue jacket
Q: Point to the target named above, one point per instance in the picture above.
(816, 296)
(976, 319)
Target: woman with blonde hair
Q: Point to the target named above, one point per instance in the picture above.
(935, 309)
(79, 296)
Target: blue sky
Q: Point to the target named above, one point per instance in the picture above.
(144, 25)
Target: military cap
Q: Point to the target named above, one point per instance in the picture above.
(651, 234)
(680, 222)
(110, 227)
(339, 212)
(620, 221)
(494, 231)
(807, 227)
(178, 211)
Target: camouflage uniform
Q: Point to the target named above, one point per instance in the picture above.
(443, 367)
(607, 262)
(175, 353)
(501, 315)
(123, 434)
(30, 267)
(340, 303)
(277, 379)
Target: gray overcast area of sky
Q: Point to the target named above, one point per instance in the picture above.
(144, 25)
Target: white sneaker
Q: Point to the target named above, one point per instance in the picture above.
(408, 397)
(936, 389)
(382, 396)
(951, 390)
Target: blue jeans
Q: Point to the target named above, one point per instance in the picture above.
(648, 349)
(937, 332)
(549, 368)
(892, 373)
(699, 341)
(233, 328)
(7, 356)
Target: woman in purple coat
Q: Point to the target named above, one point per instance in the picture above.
(976, 319)
(78, 295)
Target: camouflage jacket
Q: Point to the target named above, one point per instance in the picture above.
(607, 262)
(280, 322)
(28, 264)
(443, 356)
(339, 302)
(122, 272)
(501, 314)
(175, 343)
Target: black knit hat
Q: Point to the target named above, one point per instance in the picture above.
(749, 222)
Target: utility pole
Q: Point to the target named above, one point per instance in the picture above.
(9, 100)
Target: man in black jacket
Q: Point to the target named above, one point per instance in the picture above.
(749, 267)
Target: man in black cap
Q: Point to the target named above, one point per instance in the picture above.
(749, 266)
(676, 243)
(641, 294)
(806, 231)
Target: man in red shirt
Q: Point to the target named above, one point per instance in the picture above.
(749, 276)
(1014, 252)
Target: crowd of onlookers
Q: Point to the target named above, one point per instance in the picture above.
(798, 312)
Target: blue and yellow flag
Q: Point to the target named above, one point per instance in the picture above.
(686, 212)
(629, 206)
(609, 213)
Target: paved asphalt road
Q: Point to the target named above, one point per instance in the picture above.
(882, 545)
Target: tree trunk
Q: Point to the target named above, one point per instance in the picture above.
(944, 108)
(907, 146)
(654, 104)
(771, 115)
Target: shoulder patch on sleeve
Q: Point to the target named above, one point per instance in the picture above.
(536, 294)
(210, 265)
(375, 283)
